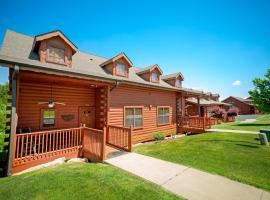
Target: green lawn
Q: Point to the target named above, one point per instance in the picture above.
(236, 156)
(262, 122)
(80, 181)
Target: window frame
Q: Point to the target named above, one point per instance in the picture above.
(42, 118)
(169, 122)
(48, 54)
(158, 77)
(117, 71)
(134, 128)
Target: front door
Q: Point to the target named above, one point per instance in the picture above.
(87, 116)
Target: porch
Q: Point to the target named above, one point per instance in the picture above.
(194, 124)
(31, 149)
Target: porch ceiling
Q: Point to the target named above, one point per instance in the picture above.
(35, 77)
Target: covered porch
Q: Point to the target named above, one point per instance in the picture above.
(199, 121)
(56, 116)
(31, 149)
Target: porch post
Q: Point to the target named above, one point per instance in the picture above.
(130, 139)
(177, 112)
(183, 105)
(104, 133)
(13, 125)
(108, 105)
(199, 106)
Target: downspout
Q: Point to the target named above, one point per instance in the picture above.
(13, 119)
(117, 83)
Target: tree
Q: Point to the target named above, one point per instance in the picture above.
(3, 104)
(261, 93)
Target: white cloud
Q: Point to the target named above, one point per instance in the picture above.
(236, 83)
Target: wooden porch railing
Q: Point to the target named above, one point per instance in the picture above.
(196, 122)
(119, 137)
(39, 147)
(94, 144)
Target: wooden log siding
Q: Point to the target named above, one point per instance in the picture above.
(119, 137)
(29, 112)
(41, 147)
(94, 144)
(125, 95)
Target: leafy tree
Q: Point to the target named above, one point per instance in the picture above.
(3, 104)
(261, 93)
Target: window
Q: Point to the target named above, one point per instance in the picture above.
(48, 119)
(121, 69)
(178, 83)
(56, 55)
(133, 117)
(155, 77)
(163, 115)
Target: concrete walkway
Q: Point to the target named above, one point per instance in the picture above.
(230, 131)
(185, 181)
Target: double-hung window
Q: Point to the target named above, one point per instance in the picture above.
(163, 115)
(48, 118)
(56, 55)
(178, 83)
(155, 77)
(121, 69)
(134, 117)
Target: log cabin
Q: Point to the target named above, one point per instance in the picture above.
(65, 102)
(244, 106)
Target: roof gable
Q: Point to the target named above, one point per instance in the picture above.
(173, 76)
(118, 57)
(52, 34)
(150, 69)
(239, 99)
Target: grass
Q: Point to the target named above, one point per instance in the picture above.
(237, 156)
(262, 122)
(80, 181)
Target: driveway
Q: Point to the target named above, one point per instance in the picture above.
(185, 181)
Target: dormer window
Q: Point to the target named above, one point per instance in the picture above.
(54, 47)
(155, 77)
(178, 83)
(118, 65)
(121, 69)
(174, 80)
(151, 73)
(56, 55)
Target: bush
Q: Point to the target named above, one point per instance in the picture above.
(217, 113)
(159, 136)
(232, 113)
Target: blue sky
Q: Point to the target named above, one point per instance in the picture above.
(213, 43)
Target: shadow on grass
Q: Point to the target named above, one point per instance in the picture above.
(268, 124)
(246, 145)
(231, 141)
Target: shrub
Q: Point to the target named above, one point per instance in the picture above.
(159, 136)
(232, 113)
(217, 113)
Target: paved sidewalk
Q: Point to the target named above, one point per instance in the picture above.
(230, 131)
(185, 181)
